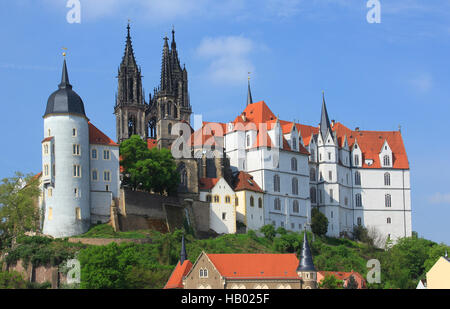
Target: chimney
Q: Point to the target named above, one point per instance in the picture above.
(332, 122)
(357, 129)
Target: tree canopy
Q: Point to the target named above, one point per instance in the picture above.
(319, 222)
(149, 170)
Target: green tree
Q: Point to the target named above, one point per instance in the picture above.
(150, 170)
(319, 222)
(268, 231)
(19, 212)
(330, 282)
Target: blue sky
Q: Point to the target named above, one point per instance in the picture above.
(375, 76)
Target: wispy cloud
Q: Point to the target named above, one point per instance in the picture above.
(229, 58)
(440, 198)
(422, 83)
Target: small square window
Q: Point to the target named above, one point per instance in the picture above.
(224, 216)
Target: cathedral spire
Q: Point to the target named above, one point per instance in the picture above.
(306, 261)
(249, 93)
(166, 78)
(183, 254)
(324, 120)
(174, 44)
(128, 57)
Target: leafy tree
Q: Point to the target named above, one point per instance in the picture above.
(330, 282)
(351, 283)
(319, 222)
(150, 170)
(19, 212)
(268, 231)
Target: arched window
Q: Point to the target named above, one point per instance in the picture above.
(277, 204)
(387, 200)
(388, 221)
(294, 164)
(356, 160)
(175, 112)
(259, 202)
(387, 160)
(295, 207)
(357, 178)
(313, 195)
(252, 201)
(312, 174)
(295, 186)
(358, 200)
(276, 183)
(387, 179)
(169, 128)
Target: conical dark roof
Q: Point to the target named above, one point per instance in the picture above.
(306, 261)
(249, 94)
(65, 100)
(324, 120)
(128, 57)
(183, 254)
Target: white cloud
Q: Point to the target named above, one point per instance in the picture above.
(229, 56)
(422, 83)
(440, 198)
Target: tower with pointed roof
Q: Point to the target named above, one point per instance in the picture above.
(306, 269)
(170, 103)
(130, 104)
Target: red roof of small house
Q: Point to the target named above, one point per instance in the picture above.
(207, 183)
(47, 139)
(151, 143)
(240, 266)
(97, 137)
(176, 278)
(244, 181)
(344, 276)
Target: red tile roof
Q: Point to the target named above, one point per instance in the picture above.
(207, 183)
(257, 112)
(97, 137)
(244, 181)
(151, 143)
(256, 265)
(176, 279)
(340, 275)
(47, 139)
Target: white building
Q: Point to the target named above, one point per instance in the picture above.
(80, 166)
(222, 211)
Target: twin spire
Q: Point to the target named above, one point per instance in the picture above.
(324, 120)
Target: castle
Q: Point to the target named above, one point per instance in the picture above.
(256, 169)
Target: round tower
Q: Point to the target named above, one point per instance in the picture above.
(65, 160)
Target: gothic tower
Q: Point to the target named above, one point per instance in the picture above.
(130, 103)
(306, 269)
(170, 103)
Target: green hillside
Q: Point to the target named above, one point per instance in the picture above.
(130, 265)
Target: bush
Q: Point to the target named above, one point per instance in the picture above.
(12, 280)
(268, 231)
(319, 222)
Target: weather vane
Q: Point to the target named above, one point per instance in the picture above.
(64, 52)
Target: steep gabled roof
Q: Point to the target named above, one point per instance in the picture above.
(261, 266)
(176, 278)
(207, 183)
(244, 181)
(97, 137)
(257, 112)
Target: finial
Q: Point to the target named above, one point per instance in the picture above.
(64, 52)
(249, 75)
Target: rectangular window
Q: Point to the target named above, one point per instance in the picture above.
(94, 175)
(107, 188)
(45, 149)
(54, 170)
(94, 154)
(106, 154)
(50, 213)
(76, 149)
(50, 192)
(46, 170)
(78, 213)
(224, 216)
(74, 132)
(76, 192)
(329, 156)
(330, 175)
(76, 170)
(331, 196)
(107, 176)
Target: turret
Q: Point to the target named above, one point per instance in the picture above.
(306, 269)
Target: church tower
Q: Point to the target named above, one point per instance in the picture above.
(170, 103)
(306, 269)
(130, 103)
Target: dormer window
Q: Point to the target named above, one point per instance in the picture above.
(356, 160)
(294, 144)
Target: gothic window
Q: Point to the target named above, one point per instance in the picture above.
(175, 112)
(163, 111)
(358, 200)
(277, 204)
(252, 201)
(312, 195)
(357, 178)
(387, 200)
(294, 164)
(276, 183)
(169, 105)
(359, 221)
(210, 168)
(295, 186)
(169, 128)
(260, 203)
(312, 174)
(295, 207)
(184, 180)
(151, 129)
(356, 160)
(387, 160)
(131, 126)
(387, 179)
